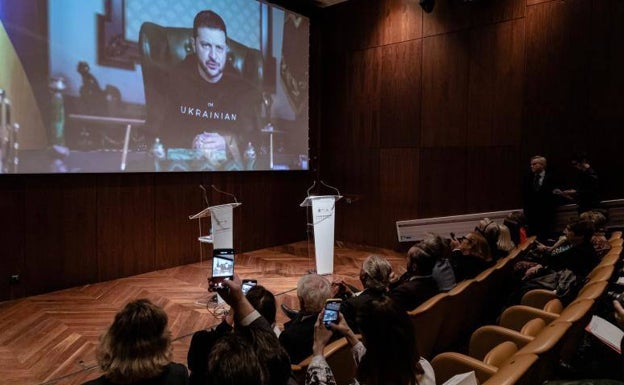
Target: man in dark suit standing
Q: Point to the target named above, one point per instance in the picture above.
(539, 199)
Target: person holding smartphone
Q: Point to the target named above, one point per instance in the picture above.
(256, 310)
(390, 355)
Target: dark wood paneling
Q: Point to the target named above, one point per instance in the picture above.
(496, 84)
(12, 237)
(400, 95)
(445, 90)
(447, 16)
(493, 179)
(126, 225)
(60, 225)
(401, 21)
(443, 176)
(557, 83)
(176, 197)
(399, 172)
(488, 12)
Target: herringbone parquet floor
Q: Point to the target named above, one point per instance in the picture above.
(51, 338)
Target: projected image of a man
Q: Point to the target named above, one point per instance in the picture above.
(210, 46)
(211, 107)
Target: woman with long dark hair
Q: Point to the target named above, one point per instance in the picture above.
(387, 354)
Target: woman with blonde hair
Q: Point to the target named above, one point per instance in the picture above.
(471, 255)
(136, 349)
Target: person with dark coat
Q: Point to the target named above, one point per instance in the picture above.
(416, 285)
(540, 199)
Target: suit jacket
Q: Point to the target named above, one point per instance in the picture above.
(412, 290)
(298, 337)
(351, 306)
(539, 203)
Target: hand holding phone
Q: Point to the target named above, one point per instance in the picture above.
(222, 268)
(248, 284)
(332, 308)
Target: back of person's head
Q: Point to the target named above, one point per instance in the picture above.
(490, 231)
(264, 301)
(137, 345)
(420, 261)
(375, 273)
(313, 290)
(234, 361)
(435, 245)
(208, 19)
(391, 352)
(599, 219)
(505, 243)
(579, 157)
(273, 358)
(478, 246)
(582, 228)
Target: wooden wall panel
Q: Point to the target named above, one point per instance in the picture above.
(60, 227)
(442, 182)
(401, 21)
(399, 172)
(493, 178)
(126, 225)
(488, 12)
(496, 84)
(176, 196)
(400, 94)
(445, 90)
(557, 85)
(447, 16)
(13, 231)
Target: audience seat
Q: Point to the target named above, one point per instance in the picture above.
(548, 301)
(517, 371)
(427, 320)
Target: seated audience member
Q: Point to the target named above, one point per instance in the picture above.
(136, 348)
(416, 285)
(375, 277)
(516, 223)
(229, 364)
(440, 250)
(497, 237)
(298, 334)
(563, 268)
(203, 341)
(388, 354)
(470, 256)
(599, 239)
(576, 253)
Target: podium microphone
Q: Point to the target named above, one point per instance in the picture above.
(223, 192)
(205, 195)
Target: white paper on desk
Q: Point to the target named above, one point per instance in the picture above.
(606, 332)
(463, 379)
(620, 281)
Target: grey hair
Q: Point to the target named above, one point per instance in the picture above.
(376, 271)
(313, 290)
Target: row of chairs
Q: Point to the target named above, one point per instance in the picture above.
(437, 321)
(440, 322)
(531, 338)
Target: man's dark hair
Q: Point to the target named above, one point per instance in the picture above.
(208, 19)
(233, 361)
(264, 301)
(581, 227)
(273, 358)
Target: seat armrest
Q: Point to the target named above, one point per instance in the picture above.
(537, 298)
(515, 317)
(446, 365)
(486, 338)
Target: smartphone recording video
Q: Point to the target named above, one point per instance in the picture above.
(248, 284)
(332, 307)
(222, 267)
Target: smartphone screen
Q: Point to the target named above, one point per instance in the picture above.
(332, 307)
(222, 266)
(248, 284)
